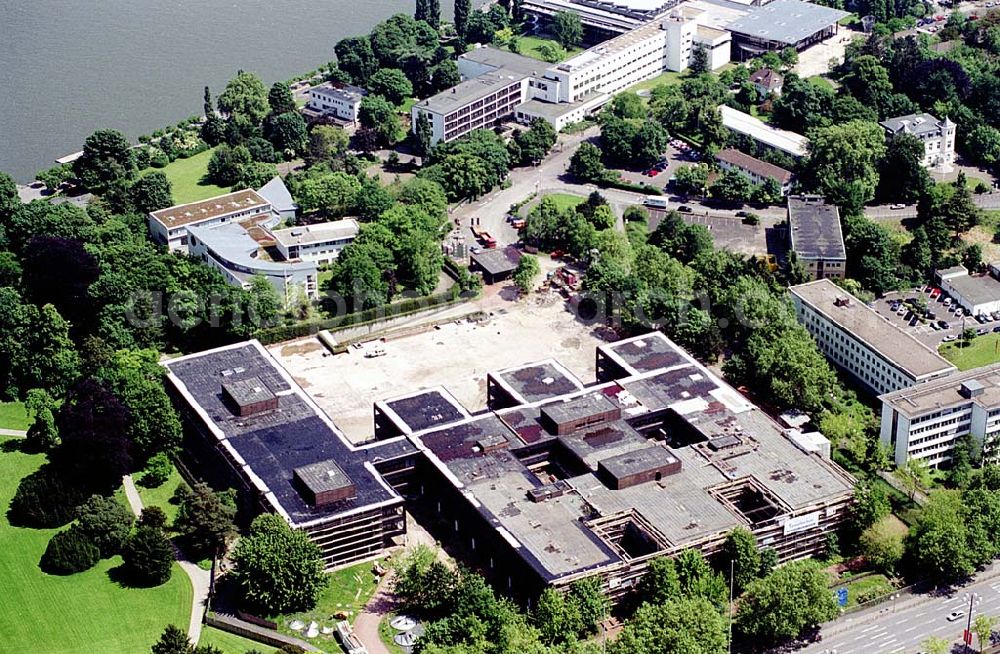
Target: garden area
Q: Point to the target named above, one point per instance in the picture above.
(980, 351)
(161, 495)
(13, 415)
(346, 593)
(186, 178)
(544, 49)
(228, 643)
(93, 612)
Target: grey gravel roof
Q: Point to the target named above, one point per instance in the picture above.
(786, 21)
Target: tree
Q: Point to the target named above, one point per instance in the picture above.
(205, 520)
(256, 174)
(355, 57)
(148, 557)
(882, 546)
(592, 604)
(207, 107)
(287, 132)
(699, 62)
(534, 143)
(391, 84)
(92, 424)
(627, 105)
(959, 212)
(972, 257)
(914, 475)
(276, 568)
(902, 176)
(107, 158)
(586, 163)
(618, 137)
(173, 640)
(691, 180)
(769, 192)
(871, 504)
(873, 254)
(567, 28)
(557, 618)
(327, 143)
(106, 523)
(381, 118)
(151, 192)
(42, 434)
(868, 81)
(245, 98)
(463, 8)
(740, 549)
(225, 166)
(69, 552)
(280, 99)
(939, 541)
(649, 143)
(689, 625)
(783, 604)
(526, 272)
(732, 186)
(983, 145)
(661, 583)
(423, 134)
(844, 161)
(982, 626)
(935, 645)
(789, 57)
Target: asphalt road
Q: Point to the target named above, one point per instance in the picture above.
(886, 629)
(987, 201)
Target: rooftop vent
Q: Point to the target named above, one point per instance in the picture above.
(971, 389)
(249, 396)
(842, 302)
(324, 483)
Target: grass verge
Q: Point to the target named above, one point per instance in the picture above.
(78, 614)
(669, 78)
(530, 46)
(981, 351)
(186, 176)
(13, 415)
(348, 590)
(160, 496)
(565, 200)
(229, 643)
(866, 589)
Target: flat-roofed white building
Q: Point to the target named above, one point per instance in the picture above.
(792, 144)
(926, 421)
(855, 338)
(170, 226)
(321, 243)
(975, 293)
(335, 99)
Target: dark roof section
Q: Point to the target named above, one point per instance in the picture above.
(496, 261)
(539, 381)
(496, 58)
(647, 353)
(427, 409)
(814, 227)
(767, 78)
(273, 444)
(754, 165)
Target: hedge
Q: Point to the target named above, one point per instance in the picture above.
(368, 316)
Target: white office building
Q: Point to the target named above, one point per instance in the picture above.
(336, 100)
(170, 226)
(879, 355)
(975, 293)
(321, 243)
(925, 422)
(938, 137)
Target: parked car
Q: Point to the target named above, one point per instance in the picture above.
(948, 339)
(943, 324)
(685, 209)
(997, 329)
(947, 301)
(897, 206)
(936, 327)
(982, 331)
(980, 318)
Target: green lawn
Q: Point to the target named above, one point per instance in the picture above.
(185, 177)
(670, 78)
(78, 614)
(982, 351)
(13, 415)
(529, 45)
(820, 81)
(565, 200)
(349, 590)
(407, 106)
(230, 643)
(160, 496)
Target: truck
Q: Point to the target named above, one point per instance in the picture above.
(488, 241)
(655, 202)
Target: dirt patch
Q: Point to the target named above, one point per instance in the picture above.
(300, 347)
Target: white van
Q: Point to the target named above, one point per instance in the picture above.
(655, 201)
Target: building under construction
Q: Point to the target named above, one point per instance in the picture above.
(554, 482)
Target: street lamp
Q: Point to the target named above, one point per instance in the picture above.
(974, 599)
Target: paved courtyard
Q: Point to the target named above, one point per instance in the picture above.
(454, 355)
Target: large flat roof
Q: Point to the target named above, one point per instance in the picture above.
(196, 212)
(319, 233)
(976, 289)
(865, 324)
(814, 228)
(469, 91)
(538, 381)
(269, 446)
(945, 393)
(786, 21)
(780, 139)
(496, 58)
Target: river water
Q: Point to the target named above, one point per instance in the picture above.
(68, 68)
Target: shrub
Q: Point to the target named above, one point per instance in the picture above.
(148, 556)
(44, 500)
(106, 523)
(157, 471)
(69, 552)
(153, 516)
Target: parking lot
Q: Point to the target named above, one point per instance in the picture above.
(678, 154)
(924, 331)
